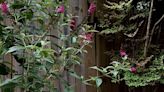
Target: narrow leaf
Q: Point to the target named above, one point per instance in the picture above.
(15, 48)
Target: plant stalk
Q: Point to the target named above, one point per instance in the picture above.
(148, 29)
(153, 29)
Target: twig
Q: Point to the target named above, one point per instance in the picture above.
(153, 29)
(134, 34)
(148, 28)
(53, 36)
(144, 62)
(138, 40)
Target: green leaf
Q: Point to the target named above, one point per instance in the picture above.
(17, 5)
(114, 73)
(15, 48)
(9, 27)
(74, 74)
(28, 14)
(115, 63)
(10, 82)
(92, 31)
(98, 69)
(74, 39)
(109, 67)
(98, 82)
(44, 43)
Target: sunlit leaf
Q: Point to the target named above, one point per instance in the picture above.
(96, 68)
(15, 48)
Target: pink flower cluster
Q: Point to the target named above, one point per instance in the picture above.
(133, 69)
(73, 24)
(60, 9)
(123, 53)
(4, 7)
(92, 8)
(88, 36)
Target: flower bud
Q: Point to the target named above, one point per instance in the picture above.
(60, 9)
(133, 69)
(123, 53)
(4, 7)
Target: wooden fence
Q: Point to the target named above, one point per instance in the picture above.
(94, 57)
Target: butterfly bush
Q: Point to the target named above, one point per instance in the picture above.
(28, 39)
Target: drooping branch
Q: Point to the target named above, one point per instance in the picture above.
(148, 28)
